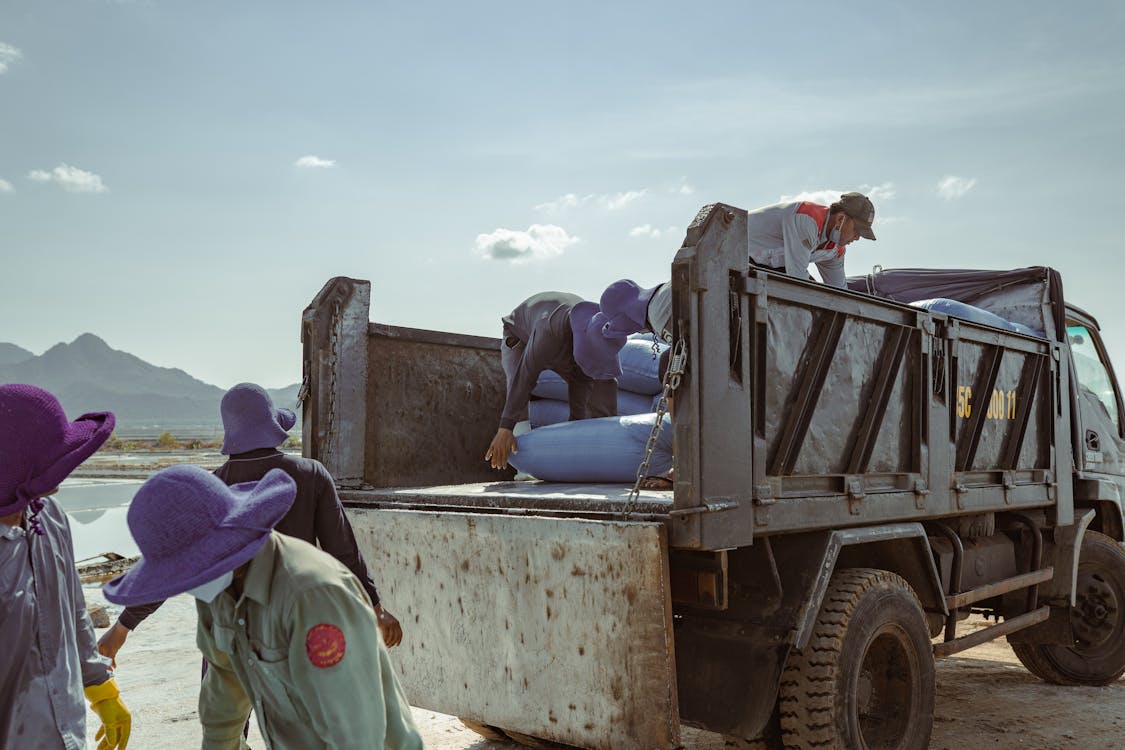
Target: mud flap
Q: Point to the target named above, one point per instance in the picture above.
(553, 627)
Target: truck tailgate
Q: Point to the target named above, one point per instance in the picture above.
(559, 628)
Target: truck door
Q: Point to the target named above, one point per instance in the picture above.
(1099, 403)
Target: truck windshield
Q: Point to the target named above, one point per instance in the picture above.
(1092, 373)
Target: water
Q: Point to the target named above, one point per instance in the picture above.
(97, 509)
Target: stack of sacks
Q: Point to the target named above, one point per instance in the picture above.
(638, 387)
(607, 449)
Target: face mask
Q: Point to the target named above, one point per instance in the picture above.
(834, 235)
(207, 592)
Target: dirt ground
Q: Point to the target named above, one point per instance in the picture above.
(985, 699)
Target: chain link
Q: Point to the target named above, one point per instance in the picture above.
(333, 364)
(671, 382)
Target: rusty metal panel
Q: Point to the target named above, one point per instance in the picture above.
(556, 628)
(433, 405)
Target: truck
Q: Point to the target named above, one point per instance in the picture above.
(854, 477)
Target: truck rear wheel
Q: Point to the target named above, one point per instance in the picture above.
(866, 678)
(1098, 620)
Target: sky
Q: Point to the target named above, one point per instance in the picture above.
(181, 178)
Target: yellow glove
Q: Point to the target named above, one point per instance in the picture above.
(105, 700)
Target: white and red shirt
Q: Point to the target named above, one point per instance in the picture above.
(790, 236)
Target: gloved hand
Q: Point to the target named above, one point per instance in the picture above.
(105, 700)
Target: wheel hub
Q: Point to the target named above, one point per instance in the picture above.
(1095, 615)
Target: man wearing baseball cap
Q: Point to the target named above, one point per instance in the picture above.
(789, 236)
(49, 657)
(577, 339)
(284, 627)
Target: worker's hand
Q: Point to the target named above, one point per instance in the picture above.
(388, 626)
(503, 445)
(105, 700)
(112, 641)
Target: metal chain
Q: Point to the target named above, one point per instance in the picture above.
(333, 364)
(671, 382)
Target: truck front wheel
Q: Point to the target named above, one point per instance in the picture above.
(1097, 656)
(866, 678)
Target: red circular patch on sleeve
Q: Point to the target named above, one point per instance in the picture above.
(325, 644)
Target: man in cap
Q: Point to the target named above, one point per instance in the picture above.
(253, 428)
(789, 236)
(577, 339)
(50, 657)
(283, 626)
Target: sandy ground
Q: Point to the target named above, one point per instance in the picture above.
(985, 699)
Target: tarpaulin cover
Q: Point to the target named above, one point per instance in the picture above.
(1029, 296)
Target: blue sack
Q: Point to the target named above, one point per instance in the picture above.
(551, 385)
(545, 411)
(640, 367)
(968, 312)
(607, 449)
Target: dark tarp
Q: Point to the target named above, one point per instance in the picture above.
(1030, 296)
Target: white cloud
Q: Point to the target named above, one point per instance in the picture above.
(539, 242)
(951, 188)
(876, 193)
(570, 200)
(314, 162)
(8, 55)
(685, 188)
(6, 187)
(608, 201)
(647, 230)
(621, 200)
(70, 179)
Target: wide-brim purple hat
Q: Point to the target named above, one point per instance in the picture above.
(39, 447)
(596, 346)
(251, 421)
(625, 305)
(192, 528)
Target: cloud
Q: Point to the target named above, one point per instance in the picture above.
(6, 187)
(314, 162)
(685, 188)
(647, 230)
(70, 179)
(951, 188)
(608, 201)
(876, 193)
(8, 55)
(539, 242)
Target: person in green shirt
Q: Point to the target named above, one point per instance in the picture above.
(284, 627)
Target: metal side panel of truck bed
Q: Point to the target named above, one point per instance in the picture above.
(555, 627)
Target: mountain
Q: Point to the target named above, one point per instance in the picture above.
(88, 375)
(10, 354)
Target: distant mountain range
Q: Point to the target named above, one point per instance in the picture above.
(87, 375)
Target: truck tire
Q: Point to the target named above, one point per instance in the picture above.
(1098, 619)
(866, 678)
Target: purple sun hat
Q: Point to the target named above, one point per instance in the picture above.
(600, 331)
(192, 528)
(251, 421)
(39, 447)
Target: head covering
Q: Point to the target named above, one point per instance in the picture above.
(861, 210)
(39, 448)
(251, 421)
(191, 528)
(600, 331)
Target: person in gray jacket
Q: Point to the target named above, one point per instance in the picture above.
(789, 236)
(579, 340)
(49, 658)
